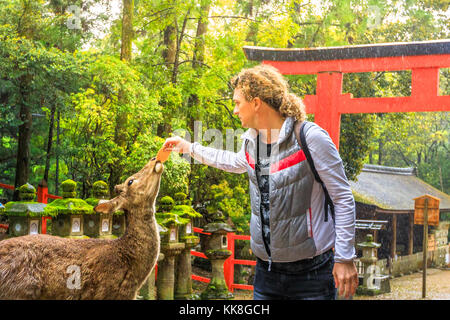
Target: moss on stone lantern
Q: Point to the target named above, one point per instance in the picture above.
(216, 250)
(183, 283)
(170, 247)
(373, 282)
(172, 223)
(25, 215)
(68, 213)
(166, 204)
(181, 198)
(99, 225)
(186, 212)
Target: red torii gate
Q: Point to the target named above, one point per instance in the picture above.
(424, 59)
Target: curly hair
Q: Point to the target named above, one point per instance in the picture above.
(268, 84)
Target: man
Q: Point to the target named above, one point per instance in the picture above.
(292, 234)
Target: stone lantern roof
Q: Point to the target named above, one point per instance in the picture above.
(68, 204)
(168, 219)
(26, 207)
(217, 227)
(369, 243)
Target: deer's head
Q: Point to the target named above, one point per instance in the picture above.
(139, 190)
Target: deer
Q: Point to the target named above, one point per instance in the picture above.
(36, 267)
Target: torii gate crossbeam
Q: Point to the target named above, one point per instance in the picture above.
(424, 59)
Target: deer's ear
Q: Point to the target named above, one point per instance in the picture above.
(110, 206)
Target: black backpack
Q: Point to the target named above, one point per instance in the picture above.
(300, 135)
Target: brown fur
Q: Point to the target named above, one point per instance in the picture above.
(36, 266)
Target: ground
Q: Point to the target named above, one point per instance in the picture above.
(408, 287)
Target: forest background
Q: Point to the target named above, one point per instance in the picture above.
(90, 89)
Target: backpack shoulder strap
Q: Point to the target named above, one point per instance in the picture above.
(299, 130)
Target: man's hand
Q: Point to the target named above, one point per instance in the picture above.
(177, 144)
(345, 278)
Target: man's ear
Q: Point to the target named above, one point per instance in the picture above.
(258, 103)
(110, 206)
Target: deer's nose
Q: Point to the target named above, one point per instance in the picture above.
(158, 167)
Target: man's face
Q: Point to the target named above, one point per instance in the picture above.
(244, 109)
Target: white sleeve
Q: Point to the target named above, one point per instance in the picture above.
(330, 168)
(221, 159)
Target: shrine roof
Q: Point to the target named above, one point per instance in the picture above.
(393, 189)
(395, 49)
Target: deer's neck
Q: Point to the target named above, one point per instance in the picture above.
(140, 243)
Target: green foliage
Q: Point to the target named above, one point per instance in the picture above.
(233, 202)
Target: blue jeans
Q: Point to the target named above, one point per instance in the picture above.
(309, 279)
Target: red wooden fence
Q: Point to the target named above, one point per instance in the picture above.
(228, 267)
(42, 197)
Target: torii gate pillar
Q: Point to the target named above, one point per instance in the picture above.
(424, 59)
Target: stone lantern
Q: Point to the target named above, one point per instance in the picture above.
(99, 225)
(68, 213)
(170, 247)
(25, 216)
(216, 250)
(372, 275)
(183, 280)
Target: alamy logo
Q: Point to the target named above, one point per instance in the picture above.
(74, 279)
(74, 21)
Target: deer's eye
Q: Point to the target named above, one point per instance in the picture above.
(130, 182)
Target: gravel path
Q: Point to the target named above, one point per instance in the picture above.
(410, 287)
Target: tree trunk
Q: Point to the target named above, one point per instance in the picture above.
(198, 59)
(127, 30)
(380, 152)
(169, 54)
(120, 133)
(199, 49)
(23, 149)
(170, 45)
(58, 117)
(49, 142)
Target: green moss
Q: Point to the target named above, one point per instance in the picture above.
(368, 200)
(185, 210)
(218, 253)
(217, 289)
(119, 213)
(179, 196)
(168, 219)
(166, 200)
(92, 201)
(69, 194)
(69, 188)
(166, 204)
(100, 190)
(191, 237)
(68, 206)
(25, 209)
(27, 192)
